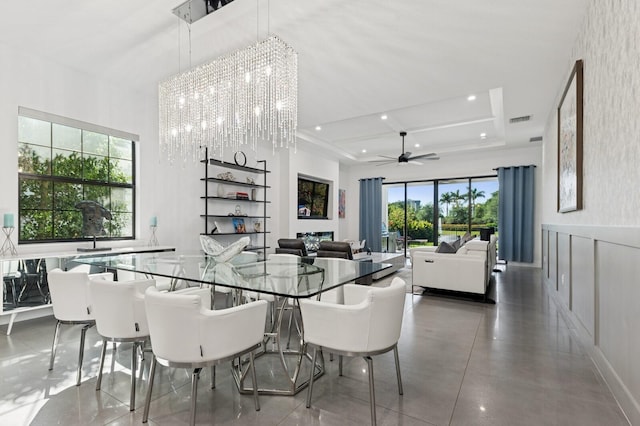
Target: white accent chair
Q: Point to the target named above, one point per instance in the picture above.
(184, 334)
(368, 324)
(118, 309)
(71, 305)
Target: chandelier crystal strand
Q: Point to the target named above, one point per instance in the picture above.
(239, 99)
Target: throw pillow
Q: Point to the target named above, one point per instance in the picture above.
(445, 247)
(456, 244)
(466, 237)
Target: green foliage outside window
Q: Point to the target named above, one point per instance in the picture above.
(60, 166)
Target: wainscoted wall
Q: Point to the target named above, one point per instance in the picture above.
(593, 273)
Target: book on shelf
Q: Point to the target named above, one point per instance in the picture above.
(238, 195)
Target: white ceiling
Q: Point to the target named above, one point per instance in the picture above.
(416, 61)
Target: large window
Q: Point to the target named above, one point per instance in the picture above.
(62, 162)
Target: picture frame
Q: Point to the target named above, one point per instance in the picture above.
(342, 201)
(570, 125)
(238, 225)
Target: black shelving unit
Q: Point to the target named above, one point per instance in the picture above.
(213, 202)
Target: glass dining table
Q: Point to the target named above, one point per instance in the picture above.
(281, 280)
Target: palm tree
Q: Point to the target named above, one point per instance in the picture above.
(457, 197)
(446, 199)
(475, 194)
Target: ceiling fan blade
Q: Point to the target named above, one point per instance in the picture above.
(415, 163)
(386, 156)
(431, 154)
(385, 163)
(390, 160)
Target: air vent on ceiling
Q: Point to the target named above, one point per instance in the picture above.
(519, 119)
(536, 139)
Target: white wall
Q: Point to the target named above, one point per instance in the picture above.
(470, 164)
(45, 86)
(311, 163)
(591, 256)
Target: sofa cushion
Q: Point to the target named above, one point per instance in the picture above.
(445, 247)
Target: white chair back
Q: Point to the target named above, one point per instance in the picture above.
(70, 295)
(118, 307)
(182, 331)
(386, 312)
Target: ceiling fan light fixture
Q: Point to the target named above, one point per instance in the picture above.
(383, 117)
(471, 98)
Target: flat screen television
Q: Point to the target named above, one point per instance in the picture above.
(313, 199)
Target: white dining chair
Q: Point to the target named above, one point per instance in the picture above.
(184, 334)
(368, 324)
(118, 309)
(71, 302)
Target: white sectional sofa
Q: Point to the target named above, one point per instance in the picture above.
(467, 270)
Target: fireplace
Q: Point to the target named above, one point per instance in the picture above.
(312, 239)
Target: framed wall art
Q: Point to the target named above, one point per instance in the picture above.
(570, 143)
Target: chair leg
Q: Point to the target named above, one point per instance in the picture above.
(254, 379)
(372, 392)
(54, 345)
(103, 354)
(134, 362)
(395, 354)
(194, 395)
(213, 377)
(83, 335)
(313, 368)
(147, 402)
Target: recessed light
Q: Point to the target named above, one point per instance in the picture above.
(383, 117)
(318, 128)
(364, 150)
(471, 97)
(483, 135)
(417, 145)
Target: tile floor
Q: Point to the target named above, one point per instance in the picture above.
(463, 363)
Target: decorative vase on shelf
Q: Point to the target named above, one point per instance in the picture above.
(253, 194)
(220, 190)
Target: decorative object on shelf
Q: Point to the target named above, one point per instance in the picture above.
(240, 159)
(221, 190)
(215, 228)
(236, 99)
(570, 143)
(220, 253)
(253, 194)
(238, 226)
(250, 181)
(238, 211)
(8, 220)
(226, 176)
(257, 226)
(93, 215)
(153, 225)
(8, 248)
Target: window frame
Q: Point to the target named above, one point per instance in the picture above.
(53, 179)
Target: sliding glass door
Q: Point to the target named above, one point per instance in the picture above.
(429, 212)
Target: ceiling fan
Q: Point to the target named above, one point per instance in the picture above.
(405, 157)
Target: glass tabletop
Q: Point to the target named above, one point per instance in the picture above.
(294, 277)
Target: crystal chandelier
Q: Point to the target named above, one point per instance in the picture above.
(241, 98)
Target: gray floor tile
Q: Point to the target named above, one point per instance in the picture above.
(516, 362)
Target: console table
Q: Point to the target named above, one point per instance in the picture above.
(15, 276)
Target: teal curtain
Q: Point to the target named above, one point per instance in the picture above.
(371, 212)
(516, 208)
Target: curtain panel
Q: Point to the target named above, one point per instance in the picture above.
(371, 212)
(516, 209)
